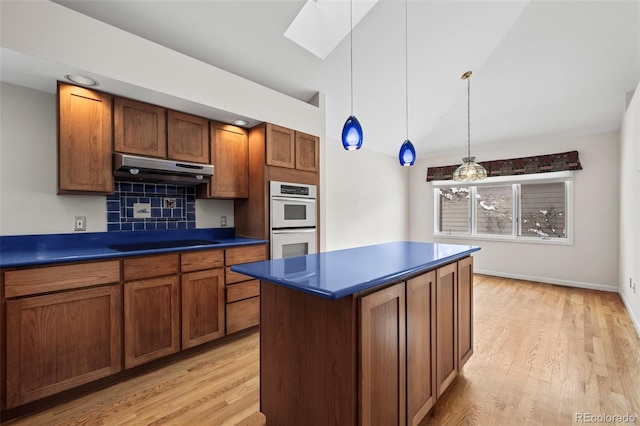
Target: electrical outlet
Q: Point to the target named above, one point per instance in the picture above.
(223, 221)
(80, 223)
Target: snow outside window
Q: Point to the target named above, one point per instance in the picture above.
(521, 208)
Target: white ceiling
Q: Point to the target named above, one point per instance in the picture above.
(540, 68)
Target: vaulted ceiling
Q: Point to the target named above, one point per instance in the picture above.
(540, 68)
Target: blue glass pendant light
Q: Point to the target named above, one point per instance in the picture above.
(352, 134)
(407, 154)
(352, 130)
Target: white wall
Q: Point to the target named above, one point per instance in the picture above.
(630, 208)
(365, 196)
(593, 258)
(28, 180)
(28, 150)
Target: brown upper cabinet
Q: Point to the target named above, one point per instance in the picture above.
(230, 157)
(307, 152)
(84, 140)
(153, 131)
(291, 149)
(139, 128)
(187, 137)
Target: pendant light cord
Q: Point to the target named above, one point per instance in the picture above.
(406, 67)
(468, 116)
(351, 48)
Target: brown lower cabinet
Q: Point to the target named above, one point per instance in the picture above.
(421, 344)
(71, 324)
(243, 292)
(202, 307)
(383, 377)
(151, 319)
(446, 327)
(380, 358)
(58, 341)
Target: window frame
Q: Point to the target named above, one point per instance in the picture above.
(516, 183)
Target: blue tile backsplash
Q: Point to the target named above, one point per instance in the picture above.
(150, 207)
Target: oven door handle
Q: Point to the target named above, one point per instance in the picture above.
(293, 231)
(302, 200)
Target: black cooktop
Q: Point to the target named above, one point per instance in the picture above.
(160, 245)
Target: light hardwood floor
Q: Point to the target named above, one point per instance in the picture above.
(543, 354)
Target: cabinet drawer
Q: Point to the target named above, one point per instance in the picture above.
(243, 290)
(235, 277)
(245, 254)
(64, 277)
(203, 259)
(151, 266)
(243, 314)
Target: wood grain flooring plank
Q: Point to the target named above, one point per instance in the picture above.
(542, 354)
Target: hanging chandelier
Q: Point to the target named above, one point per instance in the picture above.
(469, 171)
(352, 130)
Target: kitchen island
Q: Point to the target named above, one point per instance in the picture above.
(369, 335)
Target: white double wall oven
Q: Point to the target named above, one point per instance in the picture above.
(293, 219)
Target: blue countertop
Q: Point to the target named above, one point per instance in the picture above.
(340, 273)
(30, 250)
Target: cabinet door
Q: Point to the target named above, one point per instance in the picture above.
(383, 357)
(151, 319)
(280, 146)
(187, 137)
(230, 157)
(139, 128)
(202, 307)
(307, 152)
(465, 310)
(446, 327)
(59, 341)
(84, 140)
(421, 343)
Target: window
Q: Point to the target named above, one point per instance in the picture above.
(494, 210)
(519, 208)
(454, 212)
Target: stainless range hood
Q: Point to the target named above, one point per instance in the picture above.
(146, 169)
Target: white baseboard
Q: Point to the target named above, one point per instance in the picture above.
(567, 283)
(634, 318)
(547, 280)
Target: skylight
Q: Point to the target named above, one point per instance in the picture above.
(322, 24)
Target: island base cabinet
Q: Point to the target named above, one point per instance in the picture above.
(60, 341)
(465, 310)
(308, 367)
(446, 327)
(421, 343)
(383, 357)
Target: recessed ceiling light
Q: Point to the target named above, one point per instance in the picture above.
(81, 79)
(240, 122)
